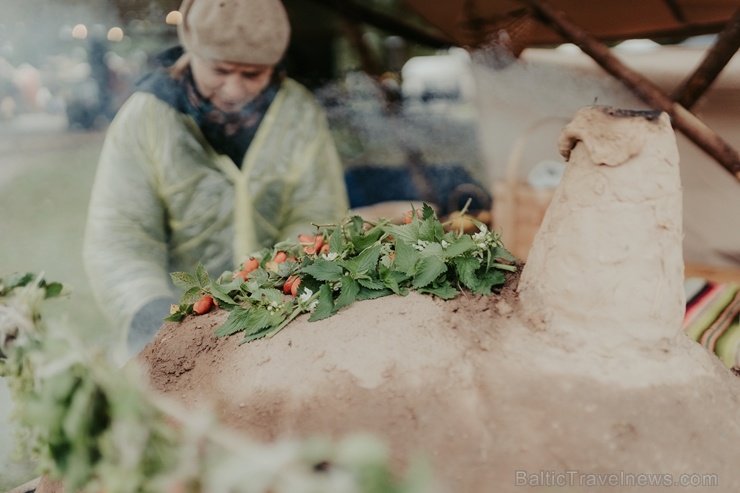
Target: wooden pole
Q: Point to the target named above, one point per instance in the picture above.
(685, 121)
(723, 49)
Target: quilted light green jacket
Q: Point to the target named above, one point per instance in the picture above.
(164, 200)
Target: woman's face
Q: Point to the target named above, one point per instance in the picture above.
(229, 86)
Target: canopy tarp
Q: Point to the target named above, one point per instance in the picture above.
(518, 24)
(471, 22)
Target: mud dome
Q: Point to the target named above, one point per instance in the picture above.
(578, 378)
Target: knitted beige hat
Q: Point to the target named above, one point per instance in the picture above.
(239, 31)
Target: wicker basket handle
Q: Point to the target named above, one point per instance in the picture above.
(517, 149)
(513, 166)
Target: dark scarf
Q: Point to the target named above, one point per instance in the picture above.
(229, 133)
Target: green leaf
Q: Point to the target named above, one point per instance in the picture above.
(429, 269)
(357, 225)
(178, 316)
(236, 322)
(365, 239)
(220, 292)
(427, 212)
(430, 230)
(395, 280)
(366, 261)
(272, 295)
(183, 310)
(459, 247)
(253, 337)
(503, 253)
(486, 281)
(466, 268)
(371, 283)
(408, 233)
(433, 250)
(191, 295)
(261, 318)
(406, 258)
(348, 293)
(53, 289)
(444, 291)
(183, 280)
(324, 270)
(336, 240)
(371, 294)
(325, 307)
(19, 280)
(202, 275)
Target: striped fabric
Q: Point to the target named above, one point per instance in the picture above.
(713, 317)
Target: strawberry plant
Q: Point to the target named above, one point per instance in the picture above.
(363, 261)
(97, 427)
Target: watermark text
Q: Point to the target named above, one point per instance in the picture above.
(615, 479)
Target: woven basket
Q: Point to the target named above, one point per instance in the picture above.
(518, 208)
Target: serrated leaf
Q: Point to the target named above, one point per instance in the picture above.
(486, 281)
(367, 260)
(433, 250)
(371, 294)
(465, 269)
(395, 280)
(257, 277)
(253, 337)
(408, 233)
(261, 318)
(444, 291)
(503, 253)
(347, 294)
(357, 225)
(183, 280)
(236, 322)
(427, 212)
(324, 270)
(428, 269)
(371, 283)
(270, 295)
(365, 239)
(191, 295)
(229, 287)
(201, 274)
(325, 307)
(336, 240)
(221, 294)
(430, 230)
(406, 258)
(459, 247)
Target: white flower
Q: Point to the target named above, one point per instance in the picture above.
(330, 255)
(420, 245)
(305, 295)
(445, 244)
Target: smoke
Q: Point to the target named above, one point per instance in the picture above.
(530, 100)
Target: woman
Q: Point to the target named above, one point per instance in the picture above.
(216, 155)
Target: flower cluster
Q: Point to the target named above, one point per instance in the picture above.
(353, 261)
